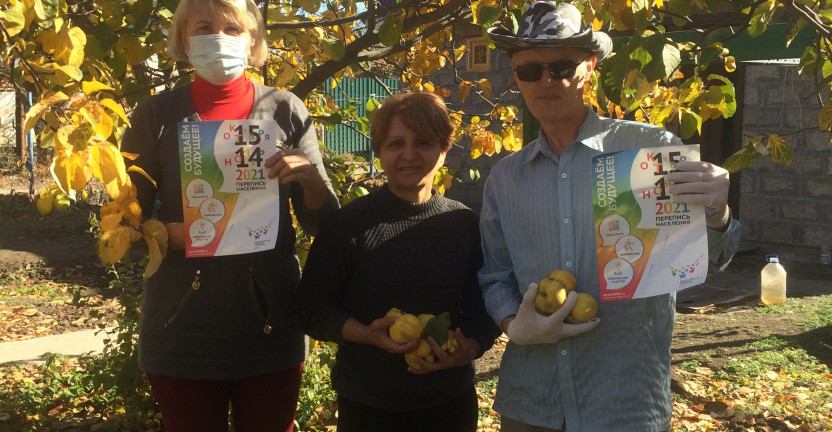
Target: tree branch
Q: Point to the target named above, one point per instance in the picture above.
(443, 17)
(371, 13)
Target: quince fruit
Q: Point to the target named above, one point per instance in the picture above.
(406, 328)
(552, 291)
(409, 358)
(394, 312)
(424, 349)
(550, 296)
(451, 345)
(424, 318)
(566, 278)
(585, 309)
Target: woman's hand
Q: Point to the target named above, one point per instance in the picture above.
(467, 352)
(378, 334)
(292, 165)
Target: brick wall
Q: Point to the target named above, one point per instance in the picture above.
(786, 210)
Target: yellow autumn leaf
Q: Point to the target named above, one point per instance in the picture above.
(459, 52)
(156, 237)
(131, 49)
(110, 222)
(113, 244)
(73, 37)
(115, 107)
(90, 87)
(485, 85)
(71, 172)
(108, 166)
(730, 64)
(491, 143)
(464, 89)
(36, 112)
(44, 204)
(155, 229)
(51, 42)
(154, 257)
(110, 208)
(825, 118)
(137, 169)
(513, 138)
(476, 147)
(133, 213)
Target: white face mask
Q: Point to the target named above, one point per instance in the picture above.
(218, 58)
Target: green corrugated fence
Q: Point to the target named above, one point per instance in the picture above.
(346, 139)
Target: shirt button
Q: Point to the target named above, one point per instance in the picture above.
(565, 220)
(563, 352)
(569, 263)
(563, 175)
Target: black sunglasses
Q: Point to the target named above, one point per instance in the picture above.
(531, 72)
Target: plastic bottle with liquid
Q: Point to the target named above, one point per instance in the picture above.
(773, 281)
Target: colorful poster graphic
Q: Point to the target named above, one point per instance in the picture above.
(648, 244)
(229, 203)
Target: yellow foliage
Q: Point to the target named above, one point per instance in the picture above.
(44, 203)
(71, 170)
(443, 180)
(825, 118)
(110, 169)
(485, 85)
(513, 138)
(90, 87)
(156, 236)
(36, 112)
(113, 244)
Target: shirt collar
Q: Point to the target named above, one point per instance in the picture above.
(591, 135)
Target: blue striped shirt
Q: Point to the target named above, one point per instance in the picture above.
(537, 217)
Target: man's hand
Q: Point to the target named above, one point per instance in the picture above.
(529, 327)
(703, 183)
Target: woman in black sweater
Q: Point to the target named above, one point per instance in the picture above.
(403, 246)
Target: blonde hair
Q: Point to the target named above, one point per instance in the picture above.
(424, 113)
(243, 12)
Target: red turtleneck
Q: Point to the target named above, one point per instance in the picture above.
(230, 101)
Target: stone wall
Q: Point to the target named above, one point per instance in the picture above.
(470, 191)
(786, 210)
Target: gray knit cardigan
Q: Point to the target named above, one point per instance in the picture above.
(238, 322)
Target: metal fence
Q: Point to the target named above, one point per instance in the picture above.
(347, 138)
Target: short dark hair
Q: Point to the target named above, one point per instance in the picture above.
(424, 113)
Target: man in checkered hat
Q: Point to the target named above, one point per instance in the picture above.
(611, 373)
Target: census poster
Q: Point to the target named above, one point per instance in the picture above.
(229, 203)
(648, 244)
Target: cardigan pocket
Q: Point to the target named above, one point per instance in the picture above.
(262, 301)
(195, 285)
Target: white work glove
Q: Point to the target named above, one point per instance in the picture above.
(703, 183)
(529, 327)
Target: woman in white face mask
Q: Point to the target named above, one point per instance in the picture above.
(219, 329)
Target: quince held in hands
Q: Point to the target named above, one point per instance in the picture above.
(406, 328)
(409, 327)
(551, 294)
(584, 310)
(552, 291)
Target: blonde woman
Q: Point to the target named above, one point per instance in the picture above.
(219, 330)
